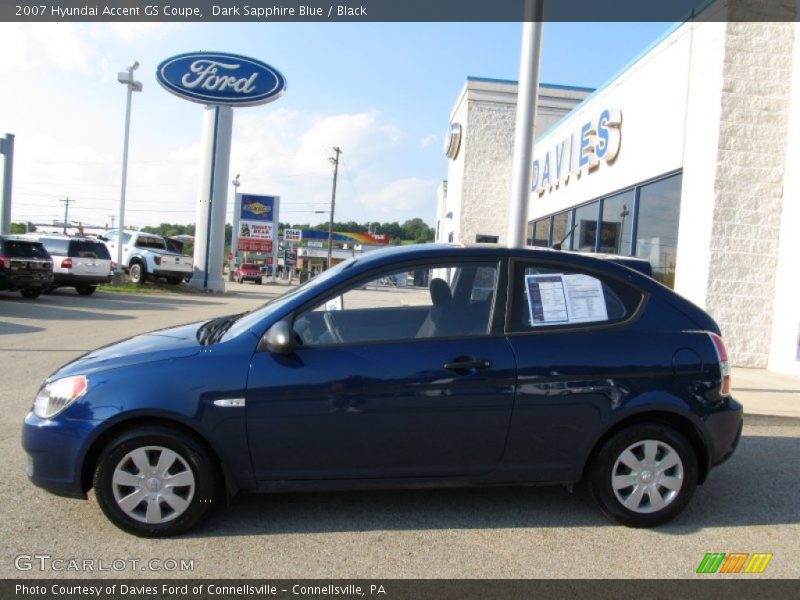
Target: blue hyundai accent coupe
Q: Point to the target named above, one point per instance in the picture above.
(417, 366)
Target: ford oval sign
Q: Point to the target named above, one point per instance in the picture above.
(221, 78)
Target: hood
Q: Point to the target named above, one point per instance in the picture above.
(164, 344)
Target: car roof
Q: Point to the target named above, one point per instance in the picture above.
(393, 254)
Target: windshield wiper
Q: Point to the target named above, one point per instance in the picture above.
(213, 330)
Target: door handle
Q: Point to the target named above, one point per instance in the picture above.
(466, 365)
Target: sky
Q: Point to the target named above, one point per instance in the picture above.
(382, 92)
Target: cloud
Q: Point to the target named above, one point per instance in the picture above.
(428, 141)
(402, 198)
(44, 46)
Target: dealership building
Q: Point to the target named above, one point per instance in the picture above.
(689, 157)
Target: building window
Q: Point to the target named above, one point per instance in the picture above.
(617, 224)
(657, 226)
(486, 239)
(541, 232)
(562, 225)
(585, 234)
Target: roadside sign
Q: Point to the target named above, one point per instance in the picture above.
(292, 235)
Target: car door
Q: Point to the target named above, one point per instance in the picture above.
(578, 358)
(385, 384)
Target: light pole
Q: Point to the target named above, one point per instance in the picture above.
(234, 227)
(335, 160)
(126, 78)
(527, 94)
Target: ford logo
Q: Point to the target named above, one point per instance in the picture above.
(221, 78)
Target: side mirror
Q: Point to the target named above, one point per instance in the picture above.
(279, 338)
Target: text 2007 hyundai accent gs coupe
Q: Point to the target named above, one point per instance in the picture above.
(424, 365)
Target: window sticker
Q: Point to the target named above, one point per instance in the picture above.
(547, 299)
(564, 298)
(586, 301)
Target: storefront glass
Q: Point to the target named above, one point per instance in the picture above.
(617, 224)
(562, 223)
(585, 234)
(657, 229)
(541, 232)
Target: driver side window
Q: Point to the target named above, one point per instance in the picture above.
(416, 302)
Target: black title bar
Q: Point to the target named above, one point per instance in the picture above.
(396, 10)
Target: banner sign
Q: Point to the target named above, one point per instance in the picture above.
(254, 245)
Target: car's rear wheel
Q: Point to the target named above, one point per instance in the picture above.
(174, 280)
(137, 273)
(31, 293)
(644, 475)
(156, 481)
(86, 290)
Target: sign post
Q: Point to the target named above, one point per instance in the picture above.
(221, 81)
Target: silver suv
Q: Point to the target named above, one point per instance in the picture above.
(79, 262)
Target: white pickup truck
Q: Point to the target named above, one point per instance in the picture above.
(149, 255)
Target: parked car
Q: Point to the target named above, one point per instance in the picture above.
(248, 272)
(149, 255)
(25, 266)
(572, 368)
(79, 262)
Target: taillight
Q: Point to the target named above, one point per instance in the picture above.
(158, 260)
(724, 365)
(66, 263)
(5, 262)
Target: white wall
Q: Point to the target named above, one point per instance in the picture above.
(785, 347)
(651, 95)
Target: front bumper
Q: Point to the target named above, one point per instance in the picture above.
(56, 448)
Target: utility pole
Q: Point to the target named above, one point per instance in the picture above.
(7, 149)
(335, 161)
(67, 202)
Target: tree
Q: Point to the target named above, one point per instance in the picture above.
(22, 228)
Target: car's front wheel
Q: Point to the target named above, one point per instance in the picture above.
(644, 475)
(86, 290)
(155, 481)
(31, 293)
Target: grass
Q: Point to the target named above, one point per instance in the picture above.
(150, 287)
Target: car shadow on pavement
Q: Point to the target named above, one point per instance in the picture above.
(13, 328)
(742, 492)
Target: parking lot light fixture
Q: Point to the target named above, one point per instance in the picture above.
(126, 78)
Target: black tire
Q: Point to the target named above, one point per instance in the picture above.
(86, 290)
(257, 282)
(137, 273)
(239, 280)
(602, 469)
(31, 293)
(203, 464)
(174, 280)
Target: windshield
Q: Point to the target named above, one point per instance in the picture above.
(253, 318)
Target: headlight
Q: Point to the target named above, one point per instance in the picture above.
(58, 395)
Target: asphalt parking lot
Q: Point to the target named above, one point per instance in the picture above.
(750, 504)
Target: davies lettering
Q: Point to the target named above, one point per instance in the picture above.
(598, 141)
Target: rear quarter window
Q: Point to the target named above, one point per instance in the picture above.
(56, 246)
(549, 296)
